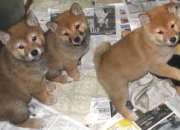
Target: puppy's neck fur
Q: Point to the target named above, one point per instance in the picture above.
(16, 69)
(65, 48)
(165, 52)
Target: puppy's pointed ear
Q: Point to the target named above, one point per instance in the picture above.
(174, 8)
(32, 20)
(144, 18)
(52, 26)
(125, 33)
(4, 37)
(28, 6)
(172, 1)
(76, 9)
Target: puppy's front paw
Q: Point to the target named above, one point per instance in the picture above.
(45, 97)
(76, 76)
(178, 90)
(51, 87)
(37, 124)
(61, 79)
(33, 123)
(50, 100)
(130, 115)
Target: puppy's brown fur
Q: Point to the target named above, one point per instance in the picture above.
(67, 42)
(147, 49)
(22, 71)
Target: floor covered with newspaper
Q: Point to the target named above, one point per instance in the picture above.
(84, 105)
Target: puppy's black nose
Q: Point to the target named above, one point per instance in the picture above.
(77, 39)
(34, 52)
(173, 39)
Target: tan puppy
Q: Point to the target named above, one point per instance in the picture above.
(22, 72)
(67, 42)
(146, 49)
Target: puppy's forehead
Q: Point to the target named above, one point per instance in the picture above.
(21, 30)
(67, 19)
(164, 21)
(161, 16)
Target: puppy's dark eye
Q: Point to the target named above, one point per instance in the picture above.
(172, 26)
(77, 26)
(66, 34)
(160, 32)
(34, 38)
(21, 47)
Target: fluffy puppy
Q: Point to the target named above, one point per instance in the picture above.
(146, 49)
(22, 72)
(67, 42)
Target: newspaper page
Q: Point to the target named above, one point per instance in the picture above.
(102, 20)
(102, 23)
(160, 118)
(164, 117)
(152, 118)
(100, 109)
(52, 119)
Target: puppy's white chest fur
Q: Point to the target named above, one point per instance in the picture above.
(166, 54)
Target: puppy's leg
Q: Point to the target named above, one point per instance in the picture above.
(165, 71)
(62, 77)
(19, 116)
(178, 90)
(56, 76)
(73, 72)
(119, 95)
(31, 123)
(45, 97)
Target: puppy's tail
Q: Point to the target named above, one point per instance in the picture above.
(100, 50)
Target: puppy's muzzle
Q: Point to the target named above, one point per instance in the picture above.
(35, 54)
(77, 41)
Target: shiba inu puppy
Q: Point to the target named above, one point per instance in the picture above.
(22, 72)
(67, 42)
(146, 49)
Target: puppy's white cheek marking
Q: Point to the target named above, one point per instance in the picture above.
(83, 27)
(161, 38)
(22, 51)
(81, 37)
(65, 38)
(177, 28)
(30, 57)
(40, 51)
(39, 41)
(19, 53)
(42, 39)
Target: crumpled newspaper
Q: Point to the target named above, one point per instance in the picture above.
(53, 120)
(149, 92)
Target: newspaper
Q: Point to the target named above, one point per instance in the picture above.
(164, 117)
(52, 119)
(55, 120)
(117, 122)
(100, 111)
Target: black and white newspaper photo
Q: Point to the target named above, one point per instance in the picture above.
(171, 123)
(102, 22)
